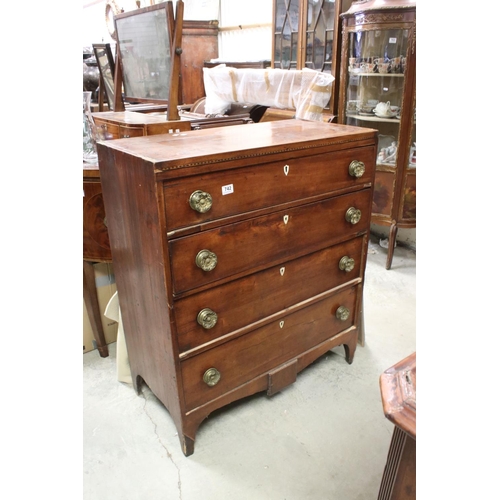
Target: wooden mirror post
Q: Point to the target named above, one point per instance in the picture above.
(175, 72)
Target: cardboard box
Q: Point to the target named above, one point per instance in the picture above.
(106, 287)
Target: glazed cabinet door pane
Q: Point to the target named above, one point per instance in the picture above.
(409, 210)
(309, 24)
(319, 35)
(306, 35)
(286, 33)
(375, 86)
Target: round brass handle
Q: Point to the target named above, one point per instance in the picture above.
(211, 377)
(356, 168)
(342, 313)
(353, 215)
(200, 201)
(346, 263)
(206, 260)
(207, 318)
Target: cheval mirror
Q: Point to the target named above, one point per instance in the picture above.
(148, 55)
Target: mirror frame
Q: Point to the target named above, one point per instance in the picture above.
(109, 64)
(128, 68)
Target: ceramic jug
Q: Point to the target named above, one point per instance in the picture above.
(383, 108)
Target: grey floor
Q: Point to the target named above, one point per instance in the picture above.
(324, 437)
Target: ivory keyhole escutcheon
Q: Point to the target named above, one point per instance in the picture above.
(285, 219)
(282, 324)
(286, 169)
(282, 271)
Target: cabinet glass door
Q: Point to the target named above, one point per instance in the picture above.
(304, 33)
(375, 86)
(409, 210)
(319, 34)
(286, 33)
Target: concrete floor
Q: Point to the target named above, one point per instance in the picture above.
(323, 437)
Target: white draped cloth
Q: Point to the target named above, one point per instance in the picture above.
(305, 91)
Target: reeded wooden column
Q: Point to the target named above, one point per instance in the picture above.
(398, 386)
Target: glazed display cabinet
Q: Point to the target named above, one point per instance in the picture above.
(378, 90)
(307, 35)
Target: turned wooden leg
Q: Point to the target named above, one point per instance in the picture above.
(92, 304)
(392, 243)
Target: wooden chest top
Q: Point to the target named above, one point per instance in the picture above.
(240, 143)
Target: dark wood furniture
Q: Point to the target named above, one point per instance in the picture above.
(122, 124)
(200, 42)
(96, 248)
(379, 66)
(398, 386)
(239, 258)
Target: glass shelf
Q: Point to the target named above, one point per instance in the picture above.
(356, 73)
(372, 118)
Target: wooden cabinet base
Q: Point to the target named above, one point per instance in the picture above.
(187, 424)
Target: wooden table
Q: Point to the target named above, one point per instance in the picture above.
(96, 248)
(398, 386)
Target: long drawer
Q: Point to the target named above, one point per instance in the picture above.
(258, 352)
(245, 189)
(221, 310)
(261, 242)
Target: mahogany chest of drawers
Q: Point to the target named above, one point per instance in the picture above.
(239, 256)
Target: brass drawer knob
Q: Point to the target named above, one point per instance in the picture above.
(342, 313)
(346, 264)
(356, 168)
(353, 215)
(206, 260)
(200, 201)
(207, 318)
(211, 377)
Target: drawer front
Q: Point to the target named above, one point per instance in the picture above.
(262, 350)
(213, 313)
(110, 130)
(131, 131)
(259, 243)
(168, 127)
(250, 188)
